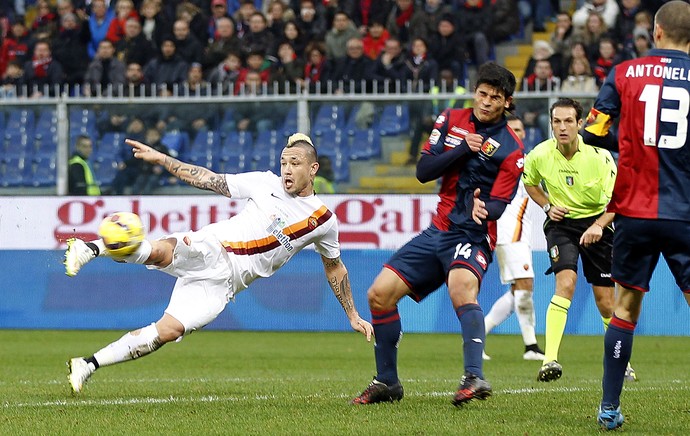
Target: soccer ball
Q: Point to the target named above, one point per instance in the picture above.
(122, 233)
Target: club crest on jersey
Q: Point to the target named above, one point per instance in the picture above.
(312, 222)
(490, 146)
(434, 136)
(554, 254)
(569, 180)
(481, 260)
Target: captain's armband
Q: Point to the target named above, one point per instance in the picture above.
(598, 123)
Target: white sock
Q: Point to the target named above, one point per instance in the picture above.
(524, 309)
(141, 255)
(130, 346)
(101, 246)
(499, 312)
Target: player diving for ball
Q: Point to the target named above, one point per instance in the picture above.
(213, 264)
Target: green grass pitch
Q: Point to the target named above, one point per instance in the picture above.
(266, 383)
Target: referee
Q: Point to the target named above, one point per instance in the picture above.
(579, 180)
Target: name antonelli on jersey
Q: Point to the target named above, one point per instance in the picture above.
(659, 71)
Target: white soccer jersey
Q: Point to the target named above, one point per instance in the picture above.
(515, 225)
(272, 227)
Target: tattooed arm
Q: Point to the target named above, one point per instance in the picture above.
(338, 279)
(197, 176)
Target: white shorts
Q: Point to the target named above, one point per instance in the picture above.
(514, 261)
(203, 287)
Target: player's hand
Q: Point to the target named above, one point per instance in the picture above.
(479, 211)
(144, 152)
(362, 326)
(557, 213)
(592, 235)
(474, 141)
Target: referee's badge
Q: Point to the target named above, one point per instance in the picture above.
(554, 254)
(569, 180)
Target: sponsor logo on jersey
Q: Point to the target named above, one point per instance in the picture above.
(459, 130)
(441, 119)
(276, 229)
(520, 163)
(490, 146)
(481, 260)
(434, 136)
(452, 141)
(569, 180)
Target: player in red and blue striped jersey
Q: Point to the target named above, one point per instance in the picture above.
(479, 161)
(651, 197)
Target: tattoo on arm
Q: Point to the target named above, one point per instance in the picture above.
(343, 292)
(331, 263)
(197, 176)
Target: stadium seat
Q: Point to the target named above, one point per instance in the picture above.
(533, 136)
(176, 141)
(329, 117)
(13, 172)
(235, 149)
(335, 145)
(82, 122)
(109, 147)
(395, 119)
(44, 172)
(266, 143)
(290, 123)
(47, 121)
(22, 120)
(105, 170)
(46, 145)
(365, 144)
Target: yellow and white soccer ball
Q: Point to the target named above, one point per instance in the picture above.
(122, 233)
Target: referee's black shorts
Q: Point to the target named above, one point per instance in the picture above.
(563, 244)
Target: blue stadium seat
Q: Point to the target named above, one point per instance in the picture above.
(290, 123)
(176, 142)
(533, 136)
(395, 119)
(13, 172)
(105, 170)
(47, 121)
(82, 122)
(335, 146)
(329, 117)
(366, 144)
(266, 151)
(204, 145)
(44, 172)
(46, 145)
(267, 162)
(110, 146)
(21, 121)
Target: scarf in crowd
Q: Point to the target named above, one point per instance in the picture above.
(41, 67)
(364, 6)
(404, 16)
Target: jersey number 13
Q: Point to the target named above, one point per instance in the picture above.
(652, 115)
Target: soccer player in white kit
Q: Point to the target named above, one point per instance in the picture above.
(514, 256)
(213, 264)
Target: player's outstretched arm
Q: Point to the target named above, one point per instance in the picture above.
(194, 175)
(338, 279)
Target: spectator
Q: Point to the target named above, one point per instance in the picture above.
(405, 21)
(594, 30)
(136, 85)
(42, 71)
(154, 23)
(80, 179)
(474, 21)
(608, 57)
(242, 16)
(99, 23)
(311, 21)
(432, 11)
(448, 48)
(316, 63)
(390, 66)
(226, 73)
(607, 9)
(195, 18)
(219, 9)
(191, 118)
(642, 42)
(167, 68)
(342, 31)
(137, 177)
(104, 71)
(289, 70)
(364, 12)
(134, 47)
(542, 50)
(324, 180)
(505, 20)
(562, 35)
(375, 39)
(187, 46)
(420, 68)
(124, 10)
(278, 15)
(255, 61)
(580, 79)
(293, 34)
(224, 43)
(532, 110)
(15, 46)
(625, 23)
(45, 24)
(255, 116)
(577, 50)
(12, 80)
(353, 72)
(258, 36)
(70, 48)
